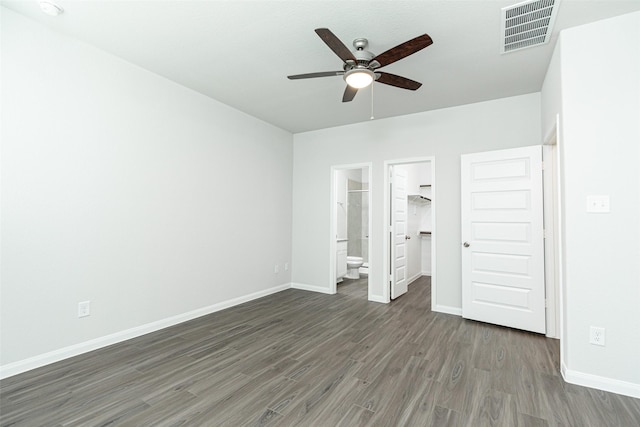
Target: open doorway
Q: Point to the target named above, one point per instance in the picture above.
(351, 228)
(410, 224)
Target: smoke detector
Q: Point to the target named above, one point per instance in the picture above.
(527, 24)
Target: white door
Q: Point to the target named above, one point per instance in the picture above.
(398, 232)
(503, 238)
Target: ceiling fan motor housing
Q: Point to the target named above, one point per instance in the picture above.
(361, 53)
(363, 57)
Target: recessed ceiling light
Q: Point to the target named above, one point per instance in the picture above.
(50, 8)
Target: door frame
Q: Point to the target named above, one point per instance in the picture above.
(333, 286)
(386, 241)
(551, 153)
(550, 258)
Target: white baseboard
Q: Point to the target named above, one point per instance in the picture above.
(96, 343)
(312, 288)
(600, 383)
(426, 273)
(447, 309)
(414, 278)
(377, 298)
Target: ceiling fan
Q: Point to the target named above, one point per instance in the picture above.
(360, 67)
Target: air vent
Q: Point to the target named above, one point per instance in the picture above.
(527, 24)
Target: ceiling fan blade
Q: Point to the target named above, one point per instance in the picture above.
(335, 44)
(312, 75)
(349, 93)
(403, 50)
(397, 81)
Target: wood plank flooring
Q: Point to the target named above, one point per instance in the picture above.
(298, 358)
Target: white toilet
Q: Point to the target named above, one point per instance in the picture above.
(353, 265)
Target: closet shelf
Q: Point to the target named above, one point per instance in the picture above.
(418, 198)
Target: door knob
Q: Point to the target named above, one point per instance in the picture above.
(466, 244)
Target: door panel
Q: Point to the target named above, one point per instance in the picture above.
(489, 231)
(399, 284)
(503, 264)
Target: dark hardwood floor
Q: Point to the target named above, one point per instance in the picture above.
(298, 358)
(357, 288)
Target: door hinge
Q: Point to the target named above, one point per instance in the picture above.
(542, 165)
(546, 303)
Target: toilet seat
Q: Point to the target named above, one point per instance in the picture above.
(354, 259)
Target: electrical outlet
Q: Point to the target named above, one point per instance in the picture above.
(276, 269)
(286, 266)
(84, 308)
(596, 336)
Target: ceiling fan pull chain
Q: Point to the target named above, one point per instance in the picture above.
(371, 103)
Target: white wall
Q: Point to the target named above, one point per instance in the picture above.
(341, 203)
(600, 72)
(417, 174)
(445, 134)
(123, 188)
(425, 254)
(551, 94)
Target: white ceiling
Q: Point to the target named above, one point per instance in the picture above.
(240, 52)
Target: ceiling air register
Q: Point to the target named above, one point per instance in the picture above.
(527, 24)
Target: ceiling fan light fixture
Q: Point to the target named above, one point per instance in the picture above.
(359, 78)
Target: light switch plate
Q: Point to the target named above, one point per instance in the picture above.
(597, 204)
(84, 308)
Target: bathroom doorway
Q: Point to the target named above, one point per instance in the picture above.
(350, 230)
(410, 197)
